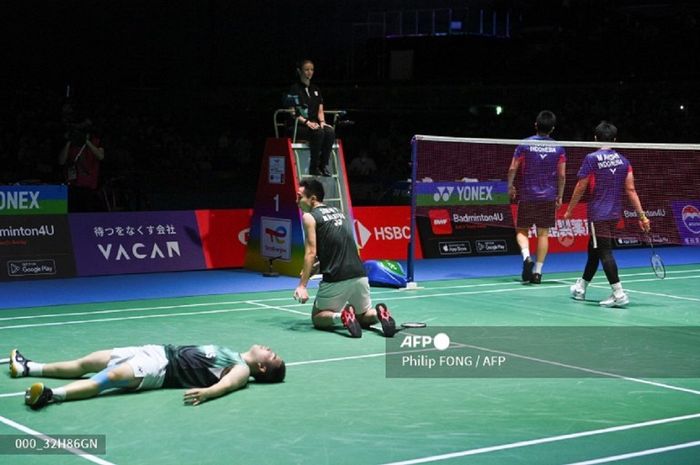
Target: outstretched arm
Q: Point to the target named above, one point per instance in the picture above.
(235, 379)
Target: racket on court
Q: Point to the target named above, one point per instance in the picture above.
(413, 325)
(657, 264)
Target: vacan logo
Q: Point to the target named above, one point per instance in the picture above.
(276, 235)
(691, 218)
(443, 194)
(17, 268)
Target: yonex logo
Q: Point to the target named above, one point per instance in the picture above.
(444, 193)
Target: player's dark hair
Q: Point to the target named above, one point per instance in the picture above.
(273, 373)
(545, 122)
(605, 132)
(313, 187)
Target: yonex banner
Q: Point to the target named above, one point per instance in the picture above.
(35, 246)
(33, 200)
(440, 194)
(136, 242)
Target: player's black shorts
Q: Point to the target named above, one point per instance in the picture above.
(539, 213)
(601, 234)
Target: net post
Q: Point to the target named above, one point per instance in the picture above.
(410, 256)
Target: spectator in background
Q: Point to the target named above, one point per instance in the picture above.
(80, 158)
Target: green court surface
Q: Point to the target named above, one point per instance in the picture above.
(337, 405)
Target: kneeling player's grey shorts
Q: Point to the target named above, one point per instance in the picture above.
(334, 296)
(148, 362)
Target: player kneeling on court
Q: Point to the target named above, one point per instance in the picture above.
(209, 370)
(343, 295)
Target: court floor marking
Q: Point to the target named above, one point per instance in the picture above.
(120, 310)
(518, 287)
(135, 317)
(80, 453)
(545, 440)
(398, 297)
(272, 307)
(641, 453)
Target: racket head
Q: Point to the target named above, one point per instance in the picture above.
(413, 324)
(658, 266)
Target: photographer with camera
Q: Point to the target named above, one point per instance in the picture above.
(81, 157)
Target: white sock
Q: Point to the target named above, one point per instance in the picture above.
(585, 283)
(525, 253)
(336, 317)
(617, 289)
(538, 267)
(59, 394)
(35, 368)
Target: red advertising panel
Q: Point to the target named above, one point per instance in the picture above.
(566, 235)
(384, 232)
(224, 236)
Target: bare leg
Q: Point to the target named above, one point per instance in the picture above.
(86, 388)
(92, 363)
(521, 238)
(323, 319)
(542, 244)
(368, 318)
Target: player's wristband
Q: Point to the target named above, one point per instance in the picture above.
(643, 218)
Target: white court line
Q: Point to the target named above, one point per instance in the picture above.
(272, 307)
(12, 394)
(641, 453)
(286, 299)
(534, 442)
(137, 317)
(518, 288)
(44, 437)
(120, 310)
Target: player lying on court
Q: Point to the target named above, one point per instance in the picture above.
(209, 370)
(343, 294)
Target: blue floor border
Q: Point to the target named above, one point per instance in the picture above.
(215, 282)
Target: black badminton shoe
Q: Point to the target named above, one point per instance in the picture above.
(536, 278)
(347, 316)
(37, 396)
(18, 364)
(387, 321)
(528, 265)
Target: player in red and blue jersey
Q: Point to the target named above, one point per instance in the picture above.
(608, 174)
(541, 191)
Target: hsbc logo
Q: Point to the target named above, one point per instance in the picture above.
(440, 222)
(381, 233)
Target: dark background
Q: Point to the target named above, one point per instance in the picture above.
(183, 92)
